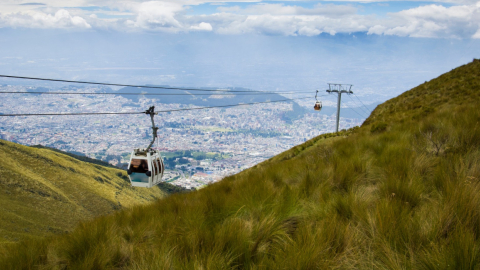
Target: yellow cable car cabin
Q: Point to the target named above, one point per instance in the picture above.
(318, 104)
(145, 168)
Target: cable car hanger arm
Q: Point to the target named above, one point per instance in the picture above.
(151, 112)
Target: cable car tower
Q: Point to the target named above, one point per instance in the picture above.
(146, 167)
(339, 89)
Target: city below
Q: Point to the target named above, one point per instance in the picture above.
(199, 147)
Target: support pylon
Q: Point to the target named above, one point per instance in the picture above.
(339, 89)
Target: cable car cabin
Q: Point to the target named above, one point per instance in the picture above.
(317, 106)
(145, 168)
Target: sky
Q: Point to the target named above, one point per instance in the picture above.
(383, 48)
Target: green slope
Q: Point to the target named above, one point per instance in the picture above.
(79, 157)
(43, 192)
(400, 192)
(451, 90)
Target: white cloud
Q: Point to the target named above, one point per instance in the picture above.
(164, 16)
(385, 2)
(281, 9)
(203, 26)
(424, 21)
(377, 29)
(457, 21)
(156, 15)
(432, 21)
(293, 25)
(476, 35)
(35, 19)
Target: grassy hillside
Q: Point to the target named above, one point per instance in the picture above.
(44, 192)
(400, 192)
(79, 157)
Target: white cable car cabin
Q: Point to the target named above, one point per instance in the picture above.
(145, 168)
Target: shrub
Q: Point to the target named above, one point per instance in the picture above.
(378, 127)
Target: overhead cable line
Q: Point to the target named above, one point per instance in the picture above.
(368, 110)
(358, 113)
(146, 94)
(137, 86)
(360, 106)
(361, 109)
(223, 106)
(164, 111)
(51, 114)
(361, 113)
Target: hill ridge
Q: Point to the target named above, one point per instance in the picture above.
(400, 192)
(48, 182)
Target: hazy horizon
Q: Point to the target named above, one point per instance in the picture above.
(382, 48)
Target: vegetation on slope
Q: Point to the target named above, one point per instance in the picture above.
(79, 157)
(167, 188)
(44, 192)
(401, 192)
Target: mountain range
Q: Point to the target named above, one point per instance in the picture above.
(207, 98)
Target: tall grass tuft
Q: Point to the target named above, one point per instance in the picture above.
(27, 255)
(401, 192)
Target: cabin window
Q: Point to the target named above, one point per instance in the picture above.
(160, 165)
(156, 167)
(138, 166)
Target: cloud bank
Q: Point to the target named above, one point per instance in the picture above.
(432, 21)
(33, 19)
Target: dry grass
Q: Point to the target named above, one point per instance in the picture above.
(44, 192)
(381, 198)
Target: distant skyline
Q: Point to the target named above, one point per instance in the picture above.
(382, 47)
